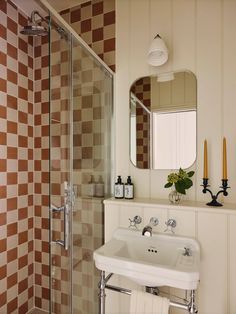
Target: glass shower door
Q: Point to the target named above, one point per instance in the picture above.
(60, 171)
(80, 160)
(92, 113)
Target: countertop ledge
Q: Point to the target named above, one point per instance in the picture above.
(165, 204)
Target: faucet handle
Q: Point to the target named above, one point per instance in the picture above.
(136, 221)
(170, 225)
(154, 221)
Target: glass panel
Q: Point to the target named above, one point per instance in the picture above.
(80, 155)
(159, 106)
(92, 110)
(60, 169)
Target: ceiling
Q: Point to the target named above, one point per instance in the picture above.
(27, 6)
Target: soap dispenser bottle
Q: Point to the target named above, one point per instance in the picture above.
(91, 187)
(119, 188)
(129, 189)
(99, 188)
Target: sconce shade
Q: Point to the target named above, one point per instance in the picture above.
(158, 52)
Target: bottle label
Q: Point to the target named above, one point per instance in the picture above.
(119, 191)
(129, 191)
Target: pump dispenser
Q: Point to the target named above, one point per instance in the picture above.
(129, 189)
(119, 188)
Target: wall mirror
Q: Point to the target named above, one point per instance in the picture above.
(163, 113)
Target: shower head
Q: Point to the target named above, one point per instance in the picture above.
(34, 29)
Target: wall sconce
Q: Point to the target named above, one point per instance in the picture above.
(158, 52)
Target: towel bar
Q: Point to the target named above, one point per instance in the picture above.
(190, 306)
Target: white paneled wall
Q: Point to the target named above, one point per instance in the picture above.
(201, 37)
(214, 229)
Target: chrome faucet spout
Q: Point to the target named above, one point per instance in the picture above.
(147, 230)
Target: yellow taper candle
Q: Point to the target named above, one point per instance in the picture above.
(205, 172)
(224, 160)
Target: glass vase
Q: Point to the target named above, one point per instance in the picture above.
(175, 197)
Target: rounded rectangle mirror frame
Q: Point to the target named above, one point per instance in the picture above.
(163, 121)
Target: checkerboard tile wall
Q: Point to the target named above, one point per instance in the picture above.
(142, 90)
(94, 21)
(24, 163)
(16, 163)
(41, 172)
(60, 167)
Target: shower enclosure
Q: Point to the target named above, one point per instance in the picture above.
(80, 167)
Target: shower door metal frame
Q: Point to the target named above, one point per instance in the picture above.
(67, 207)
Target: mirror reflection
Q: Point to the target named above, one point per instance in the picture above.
(163, 121)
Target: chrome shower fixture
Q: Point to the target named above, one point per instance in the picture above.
(34, 29)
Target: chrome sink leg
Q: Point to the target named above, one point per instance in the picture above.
(102, 294)
(192, 303)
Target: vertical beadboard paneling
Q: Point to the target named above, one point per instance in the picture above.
(183, 27)
(160, 23)
(141, 180)
(209, 78)
(122, 85)
(139, 40)
(185, 221)
(138, 44)
(184, 50)
(229, 90)
(159, 213)
(111, 220)
(127, 212)
(232, 263)
(212, 235)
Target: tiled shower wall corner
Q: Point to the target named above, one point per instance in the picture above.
(94, 21)
(41, 172)
(16, 163)
(24, 156)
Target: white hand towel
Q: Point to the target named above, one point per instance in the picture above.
(147, 303)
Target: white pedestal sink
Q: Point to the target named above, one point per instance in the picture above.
(160, 260)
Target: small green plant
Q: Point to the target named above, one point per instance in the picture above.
(181, 180)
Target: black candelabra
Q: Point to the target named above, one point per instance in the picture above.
(223, 189)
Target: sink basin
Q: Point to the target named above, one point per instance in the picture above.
(160, 260)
